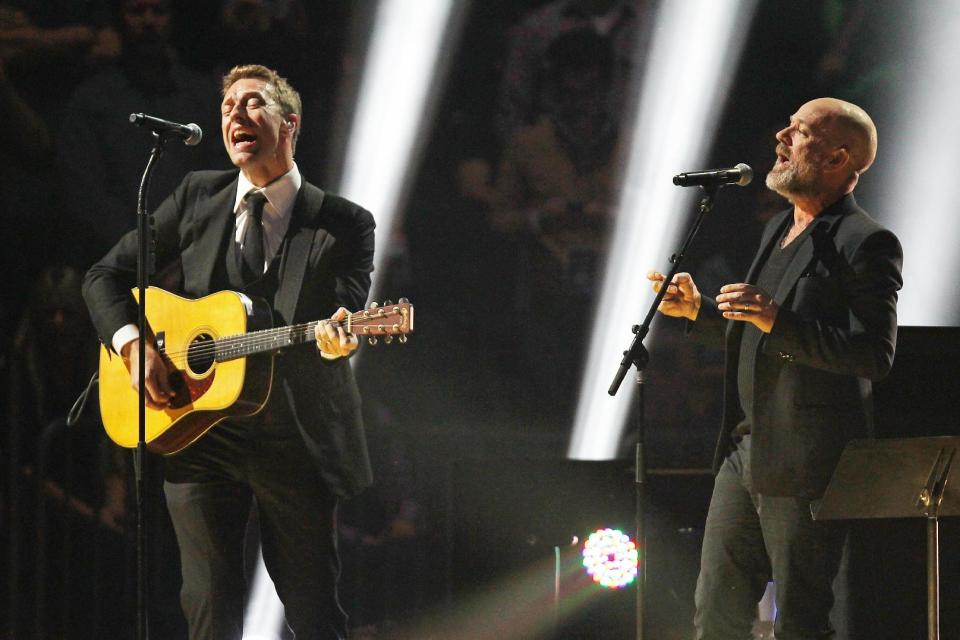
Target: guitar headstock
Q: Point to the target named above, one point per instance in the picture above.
(388, 320)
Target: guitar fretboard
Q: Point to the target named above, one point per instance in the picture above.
(392, 320)
(265, 341)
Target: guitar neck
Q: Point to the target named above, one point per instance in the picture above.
(388, 320)
(265, 341)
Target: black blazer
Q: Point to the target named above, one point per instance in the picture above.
(327, 264)
(834, 334)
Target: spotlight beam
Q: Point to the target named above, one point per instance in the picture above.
(921, 190)
(264, 617)
(690, 65)
(403, 64)
(395, 101)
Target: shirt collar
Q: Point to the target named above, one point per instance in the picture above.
(281, 193)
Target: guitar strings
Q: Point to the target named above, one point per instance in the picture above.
(254, 338)
(260, 338)
(299, 334)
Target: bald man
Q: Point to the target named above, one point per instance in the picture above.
(805, 334)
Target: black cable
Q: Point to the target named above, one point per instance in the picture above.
(81, 403)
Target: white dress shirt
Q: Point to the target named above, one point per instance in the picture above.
(281, 195)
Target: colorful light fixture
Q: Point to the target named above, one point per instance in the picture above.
(611, 558)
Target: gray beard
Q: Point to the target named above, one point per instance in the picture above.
(791, 183)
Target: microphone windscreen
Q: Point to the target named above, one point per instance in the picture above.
(196, 135)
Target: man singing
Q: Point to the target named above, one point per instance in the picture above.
(811, 327)
(264, 231)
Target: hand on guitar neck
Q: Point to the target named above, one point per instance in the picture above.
(157, 370)
(332, 340)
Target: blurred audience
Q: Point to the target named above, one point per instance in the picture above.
(46, 48)
(555, 191)
(102, 155)
(622, 22)
(65, 486)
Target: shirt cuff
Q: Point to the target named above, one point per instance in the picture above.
(124, 334)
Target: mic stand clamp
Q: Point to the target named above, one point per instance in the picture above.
(638, 356)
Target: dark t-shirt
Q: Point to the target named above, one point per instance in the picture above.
(771, 273)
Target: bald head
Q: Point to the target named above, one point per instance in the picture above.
(822, 152)
(844, 124)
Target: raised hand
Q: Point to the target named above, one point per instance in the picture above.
(682, 298)
(748, 303)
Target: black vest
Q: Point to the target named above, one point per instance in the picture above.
(275, 418)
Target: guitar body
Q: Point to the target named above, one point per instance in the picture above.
(207, 390)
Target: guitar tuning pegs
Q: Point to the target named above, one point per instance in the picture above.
(387, 339)
(403, 339)
(373, 305)
(372, 341)
(403, 301)
(387, 303)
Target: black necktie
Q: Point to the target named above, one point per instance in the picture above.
(252, 251)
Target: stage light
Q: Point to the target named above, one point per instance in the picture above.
(264, 616)
(611, 558)
(691, 62)
(917, 168)
(403, 64)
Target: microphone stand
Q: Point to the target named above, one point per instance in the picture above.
(144, 267)
(638, 356)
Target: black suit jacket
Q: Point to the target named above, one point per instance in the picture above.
(834, 334)
(327, 264)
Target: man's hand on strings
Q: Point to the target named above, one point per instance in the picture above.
(157, 370)
(332, 340)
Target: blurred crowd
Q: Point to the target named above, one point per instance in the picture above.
(501, 247)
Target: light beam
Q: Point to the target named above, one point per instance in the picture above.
(402, 65)
(691, 63)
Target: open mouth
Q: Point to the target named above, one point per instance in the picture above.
(243, 140)
(782, 157)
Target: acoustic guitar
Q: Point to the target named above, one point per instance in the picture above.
(221, 347)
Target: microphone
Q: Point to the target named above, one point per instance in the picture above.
(740, 175)
(190, 133)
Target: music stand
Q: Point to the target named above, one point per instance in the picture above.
(899, 478)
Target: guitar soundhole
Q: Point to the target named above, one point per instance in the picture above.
(201, 354)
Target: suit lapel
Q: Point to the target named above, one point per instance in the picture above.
(301, 235)
(796, 267)
(825, 223)
(212, 228)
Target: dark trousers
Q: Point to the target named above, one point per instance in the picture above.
(210, 489)
(751, 538)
